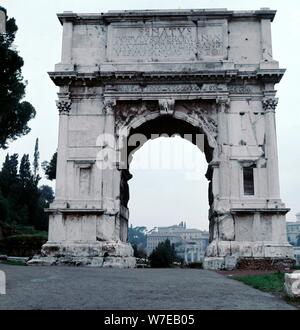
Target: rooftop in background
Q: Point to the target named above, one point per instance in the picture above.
(181, 227)
(297, 219)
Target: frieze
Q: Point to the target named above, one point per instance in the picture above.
(175, 88)
(240, 89)
(171, 88)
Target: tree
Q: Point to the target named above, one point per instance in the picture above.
(22, 202)
(12, 191)
(50, 167)
(4, 209)
(46, 194)
(25, 171)
(163, 256)
(139, 252)
(29, 196)
(36, 157)
(14, 113)
(9, 174)
(137, 236)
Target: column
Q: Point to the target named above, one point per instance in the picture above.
(64, 106)
(224, 171)
(109, 168)
(269, 105)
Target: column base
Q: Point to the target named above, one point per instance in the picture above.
(229, 255)
(94, 254)
(248, 263)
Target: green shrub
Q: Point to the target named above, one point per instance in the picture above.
(163, 256)
(22, 245)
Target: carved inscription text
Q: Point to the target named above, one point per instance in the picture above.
(159, 43)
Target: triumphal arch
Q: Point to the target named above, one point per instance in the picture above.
(136, 73)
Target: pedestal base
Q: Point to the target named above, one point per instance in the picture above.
(260, 255)
(93, 254)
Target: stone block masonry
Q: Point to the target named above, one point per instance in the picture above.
(125, 74)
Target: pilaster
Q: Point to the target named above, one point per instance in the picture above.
(223, 103)
(269, 104)
(64, 106)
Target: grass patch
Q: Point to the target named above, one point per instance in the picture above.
(271, 283)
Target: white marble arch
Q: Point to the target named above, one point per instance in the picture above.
(212, 69)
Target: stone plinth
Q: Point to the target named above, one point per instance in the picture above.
(96, 254)
(292, 284)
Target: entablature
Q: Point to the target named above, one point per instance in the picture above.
(61, 78)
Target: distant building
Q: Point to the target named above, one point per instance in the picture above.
(190, 244)
(297, 254)
(293, 230)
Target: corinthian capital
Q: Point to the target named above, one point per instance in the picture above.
(270, 103)
(109, 105)
(64, 106)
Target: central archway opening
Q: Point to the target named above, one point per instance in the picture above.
(166, 186)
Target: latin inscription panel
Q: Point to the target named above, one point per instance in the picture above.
(166, 42)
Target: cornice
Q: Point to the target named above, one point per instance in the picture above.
(169, 15)
(61, 78)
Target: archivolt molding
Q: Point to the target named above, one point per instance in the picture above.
(130, 115)
(203, 120)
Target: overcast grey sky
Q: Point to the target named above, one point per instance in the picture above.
(158, 197)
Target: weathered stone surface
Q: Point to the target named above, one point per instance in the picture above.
(208, 72)
(119, 262)
(292, 284)
(42, 261)
(112, 262)
(214, 263)
(93, 249)
(279, 264)
(230, 262)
